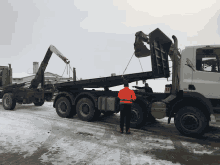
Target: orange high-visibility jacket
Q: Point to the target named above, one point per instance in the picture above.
(126, 96)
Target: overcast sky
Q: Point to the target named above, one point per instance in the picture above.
(97, 36)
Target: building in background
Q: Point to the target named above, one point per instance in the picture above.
(50, 78)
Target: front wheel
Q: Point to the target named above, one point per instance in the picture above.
(190, 121)
(8, 101)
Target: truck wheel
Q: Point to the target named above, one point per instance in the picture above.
(85, 109)
(108, 113)
(64, 108)
(190, 121)
(39, 103)
(137, 116)
(8, 101)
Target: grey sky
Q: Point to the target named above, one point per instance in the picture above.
(97, 36)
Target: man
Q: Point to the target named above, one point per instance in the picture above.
(147, 88)
(126, 96)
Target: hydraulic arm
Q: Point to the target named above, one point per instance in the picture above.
(39, 78)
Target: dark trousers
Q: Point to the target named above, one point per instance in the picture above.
(125, 113)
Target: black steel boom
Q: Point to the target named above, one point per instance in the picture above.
(39, 78)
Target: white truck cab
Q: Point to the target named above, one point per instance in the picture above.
(199, 70)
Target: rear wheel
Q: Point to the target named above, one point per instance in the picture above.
(190, 121)
(8, 101)
(64, 108)
(86, 110)
(137, 116)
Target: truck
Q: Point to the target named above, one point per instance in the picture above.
(12, 93)
(193, 101)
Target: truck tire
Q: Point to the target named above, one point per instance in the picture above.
(137, 116)
(64, 108)
(39, 103)
(8, 101)
(196, 124)
(86, 110)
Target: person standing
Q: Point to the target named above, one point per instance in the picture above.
(126, 96)
(146, 88)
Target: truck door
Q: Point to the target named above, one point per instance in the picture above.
(206, 77)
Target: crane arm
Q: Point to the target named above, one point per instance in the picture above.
(59, 54)
(39, 77)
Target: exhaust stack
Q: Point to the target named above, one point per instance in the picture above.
(175, 67)
(74, 74)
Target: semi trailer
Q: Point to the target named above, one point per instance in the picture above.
(194, 99)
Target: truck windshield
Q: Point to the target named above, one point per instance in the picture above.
(207, 59)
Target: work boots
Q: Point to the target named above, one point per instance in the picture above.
(128, 132)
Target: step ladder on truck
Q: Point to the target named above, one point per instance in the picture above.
(193, 101)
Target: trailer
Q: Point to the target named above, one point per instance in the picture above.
(193, 104)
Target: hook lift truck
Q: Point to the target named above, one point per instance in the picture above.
(18, 93)
(194, 100)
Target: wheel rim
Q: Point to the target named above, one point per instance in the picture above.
(62, 107)
(189, 122)
(134, 116)
(85, 109)
(7, 101)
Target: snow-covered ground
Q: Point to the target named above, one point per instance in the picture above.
(38, 135)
